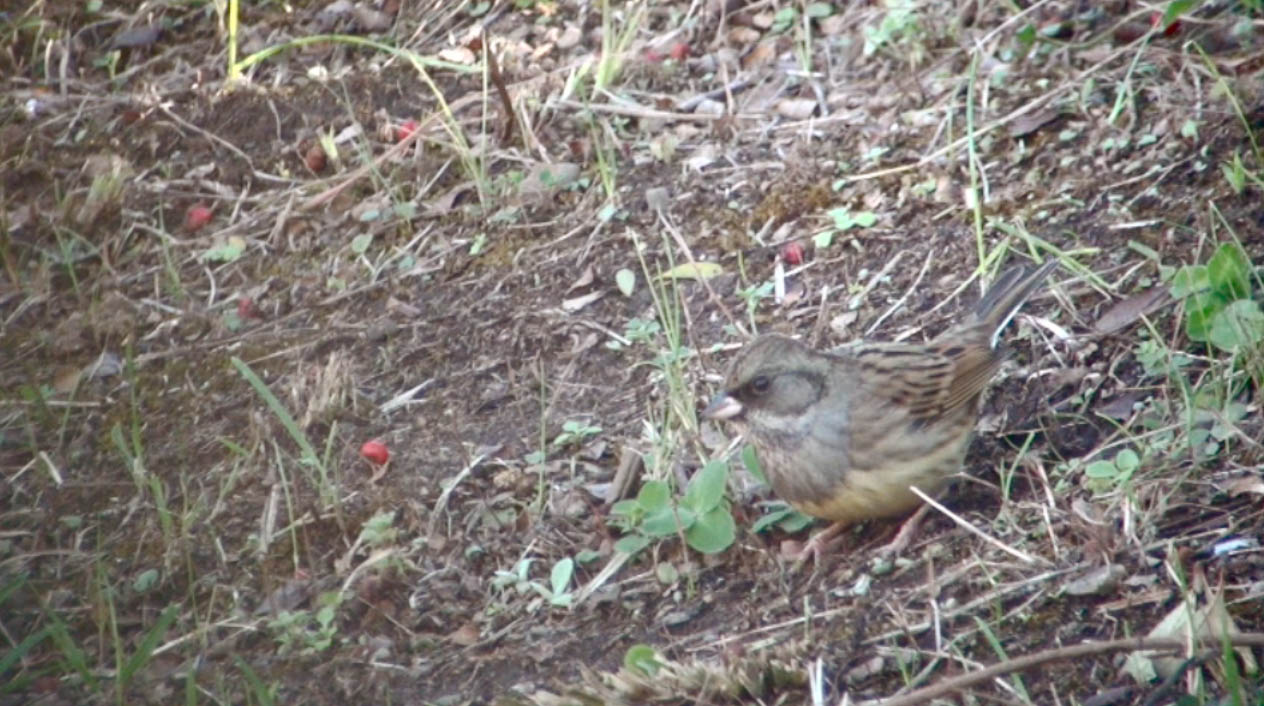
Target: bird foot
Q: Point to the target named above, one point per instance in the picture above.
(815, 548)
(908, 531)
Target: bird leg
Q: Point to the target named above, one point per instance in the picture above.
(815, 547)
(908, 530)
(819, 543)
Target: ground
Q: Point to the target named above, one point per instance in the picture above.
(525, 282)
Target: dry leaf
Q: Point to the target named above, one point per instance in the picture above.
(457, 55)
(1097, 582)
(693, 270)
(1132, 308)
(585, 278)
(1024, 125)
(796, 108)
(1250, 483)
(465, 635)
(576, 303)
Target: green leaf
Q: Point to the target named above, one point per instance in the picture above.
(1200, 309)
(146, 580)
(713, 532)
(632, 543)
(228, 251)
(627, 508)
(668, 521)
(1175, 9)
(1026, 36)
(796, 521)
(361, 243)
(818, 10)
(1190, 279)
(666, 573)
(823, 240)
(643, 659)
(653, 496)
(751, 461)
(626, 281)
(1127, 460)
(1101, 469)
(1236, 326)
(865, 219)
(560, 577)
(1229, 271)
(770, 519)
(706, 488)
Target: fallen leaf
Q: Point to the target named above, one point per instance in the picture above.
(1132, 308)
(457, 55)
(465, 635)
(585, 278)
(1245, 484)
(693, 270)
(796, 108)
(576, 303)
(1097, 582)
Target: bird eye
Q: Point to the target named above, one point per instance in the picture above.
(760, 385)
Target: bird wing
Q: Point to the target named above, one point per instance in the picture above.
(926, 380)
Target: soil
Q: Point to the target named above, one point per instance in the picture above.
(459, 302)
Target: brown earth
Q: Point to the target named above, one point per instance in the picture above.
(144, 473)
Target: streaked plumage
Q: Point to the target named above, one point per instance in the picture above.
(843, 435)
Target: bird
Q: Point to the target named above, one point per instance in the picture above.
(845, 435)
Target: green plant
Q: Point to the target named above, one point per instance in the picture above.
(1105, 475)
(844, 220)
(574, 432)
(557, 593)
(701, 513)
(1219, 309)
(1238, 176)
(307, 632)
(637, 331)
(752, 295)
(900, 23)
(642, 659)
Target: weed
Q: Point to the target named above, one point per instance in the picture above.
(1219, 308)
(574, 433)
(701, 514)
(305, 632)
(557, 593)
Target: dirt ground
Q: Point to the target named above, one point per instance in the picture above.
(216, 291)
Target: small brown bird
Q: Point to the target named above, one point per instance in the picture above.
(844, 435)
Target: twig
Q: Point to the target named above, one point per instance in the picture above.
(1057, 654)
(980, 533)
(900, 302)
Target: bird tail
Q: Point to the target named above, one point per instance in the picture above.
(1004, 298)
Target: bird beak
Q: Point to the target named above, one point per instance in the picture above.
(723, 406)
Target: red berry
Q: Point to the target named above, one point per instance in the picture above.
(375, 452)
(1173, 29)
(196, 217)
(315, 157)
(792, 252)
(680, 51)
(405, 130)
(246, 309)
